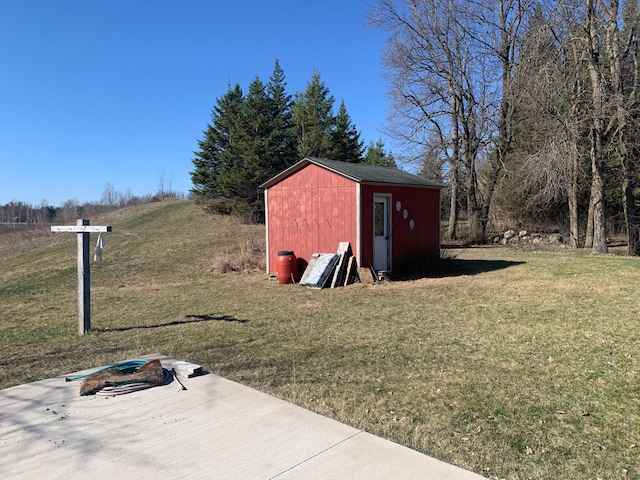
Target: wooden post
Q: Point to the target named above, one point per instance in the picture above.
(84, 281)
(83, 231)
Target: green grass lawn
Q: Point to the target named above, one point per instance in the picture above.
(514, 364)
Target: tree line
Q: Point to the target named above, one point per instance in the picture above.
(20, 214)
(255, 135)
(527, 109)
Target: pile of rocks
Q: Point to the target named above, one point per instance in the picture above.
(511, 237)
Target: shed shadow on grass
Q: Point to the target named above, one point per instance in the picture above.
(453, 267)
(475, 267)
(207, 317)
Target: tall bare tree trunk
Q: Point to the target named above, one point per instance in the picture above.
(597, 195)
(474, 208)
(588, 236)
(454, 179)
(597, 130)
(632, 222)
(574, 227)
(622, 98)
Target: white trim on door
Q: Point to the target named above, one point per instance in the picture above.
(381, 232)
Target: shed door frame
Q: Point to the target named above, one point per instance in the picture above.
(381, 231)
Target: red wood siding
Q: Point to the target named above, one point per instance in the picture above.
(409, 247)
(310, 212)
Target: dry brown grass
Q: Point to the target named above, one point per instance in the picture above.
(247, 255)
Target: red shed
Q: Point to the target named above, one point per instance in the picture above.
(390, 217)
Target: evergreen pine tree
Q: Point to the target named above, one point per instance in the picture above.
(313, 118)
(281, 113)
(377, 156)
(215, 151)
(258, 152)
(344, 142)
(244, 173)
(248, 142)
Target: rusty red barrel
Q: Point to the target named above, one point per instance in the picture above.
(287, 267)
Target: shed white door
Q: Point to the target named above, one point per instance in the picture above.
(381, 237)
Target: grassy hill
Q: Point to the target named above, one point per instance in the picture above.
(159, 268)
(515, 365)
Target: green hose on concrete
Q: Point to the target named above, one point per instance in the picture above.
(127, 366)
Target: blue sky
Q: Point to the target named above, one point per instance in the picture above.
(119, 91)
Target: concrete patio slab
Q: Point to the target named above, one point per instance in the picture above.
(216, 429)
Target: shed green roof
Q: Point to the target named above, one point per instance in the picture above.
(358, 173)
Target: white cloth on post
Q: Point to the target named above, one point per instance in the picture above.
(99, 247)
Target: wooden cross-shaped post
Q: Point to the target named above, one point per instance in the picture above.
(83, 229)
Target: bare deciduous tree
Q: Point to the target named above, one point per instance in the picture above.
(433, 92)
(550, 82)
(599, 129)
(611, 45)
(450, 67)
(163, 185)
(621, 47)
(110, 196)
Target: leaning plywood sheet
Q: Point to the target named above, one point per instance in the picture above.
(352, 272)
(309, 268)
(320, 270)
(344, 251)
